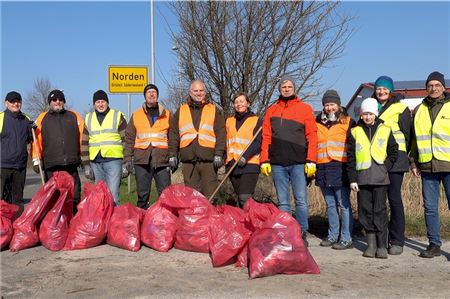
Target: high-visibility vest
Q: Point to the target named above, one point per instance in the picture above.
(390, 117)
(433, 138)
(205, 134)
(238, 140)
(331, 142)
(105, 137)
(367, 150)
(2, 119)
(148, 135)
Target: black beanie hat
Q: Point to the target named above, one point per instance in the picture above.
(435, 76)
(12, 96)
(100, 95)
(56, 94)
(151, 86)
(331, 96)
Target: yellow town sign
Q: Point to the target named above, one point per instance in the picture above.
(127, 79)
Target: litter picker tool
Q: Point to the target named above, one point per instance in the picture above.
(234, 165)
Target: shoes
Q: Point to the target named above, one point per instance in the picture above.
(327, 242)
(381, 253)
(304, 239)
(395, 250)
(431, 251)
(342, 245)
(372, 248)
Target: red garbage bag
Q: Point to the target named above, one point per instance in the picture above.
(124, 229)
(227, 235)
(258, 213)
(7, 213)
(26, 226)
(193, 211)
(278, 248)
(54, 228)
(159, 227)
(89, 225)
(242, 258)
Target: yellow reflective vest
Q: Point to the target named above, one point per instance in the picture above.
(104, 138)
(206, 135)
(390, 117)
(433, 138)
(367, 150)
(238, 140)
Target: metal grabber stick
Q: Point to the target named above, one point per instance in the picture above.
(234, 165)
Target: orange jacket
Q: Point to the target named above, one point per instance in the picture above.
(332, 142)
(289, 133)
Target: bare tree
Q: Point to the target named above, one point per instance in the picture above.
(37, 98)
(248, 45)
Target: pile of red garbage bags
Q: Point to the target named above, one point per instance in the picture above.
(260, 237)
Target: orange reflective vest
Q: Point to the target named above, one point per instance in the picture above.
(148, 135)
(238, 140)
(206, 136)
(331, 142)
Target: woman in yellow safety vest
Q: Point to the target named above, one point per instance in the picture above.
(241, 128)
(333, 130)
(372, 151)
(397, 116)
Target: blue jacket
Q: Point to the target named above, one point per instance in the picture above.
(15, 135)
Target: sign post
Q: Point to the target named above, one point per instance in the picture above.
(127, 79)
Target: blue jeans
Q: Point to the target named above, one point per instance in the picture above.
(294, 174)
(339, 212)
(111, 173)
(430, 193)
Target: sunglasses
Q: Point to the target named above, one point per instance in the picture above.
(55, 100)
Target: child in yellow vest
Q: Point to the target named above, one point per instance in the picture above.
(372, 150)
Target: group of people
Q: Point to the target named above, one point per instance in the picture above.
(369, 156)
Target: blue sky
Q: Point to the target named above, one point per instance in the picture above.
(72, 44)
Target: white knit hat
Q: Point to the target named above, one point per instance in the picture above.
(369, 105)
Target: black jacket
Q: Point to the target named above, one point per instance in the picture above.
(405, 124)
(376, 174)
(15, 136)
(60, 139)
(252, 150)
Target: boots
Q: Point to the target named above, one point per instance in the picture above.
(382, 252)
(372, 242)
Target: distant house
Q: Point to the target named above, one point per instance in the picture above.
(414, 92)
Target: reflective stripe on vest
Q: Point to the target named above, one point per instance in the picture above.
(367, 150)
(238, 140)
(433, 138)
(206, 136)
(331, 142)
(147, 135)
(390, 117)
(104, 138)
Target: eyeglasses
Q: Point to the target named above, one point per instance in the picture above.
(434, 86)
(55, 100)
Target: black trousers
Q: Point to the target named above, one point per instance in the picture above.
(144, 175)
(397, 219)
(244, 184)
(372, 211)
(12, 185)
(73, 171)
